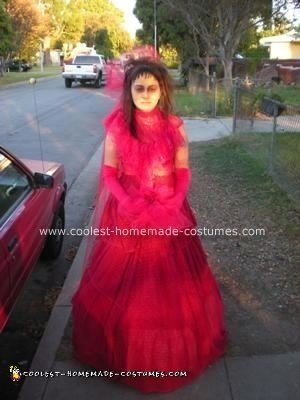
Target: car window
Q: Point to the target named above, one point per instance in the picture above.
(87, 60)
(14, 186)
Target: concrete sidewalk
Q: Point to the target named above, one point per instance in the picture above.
(207, 129)
(263, 377)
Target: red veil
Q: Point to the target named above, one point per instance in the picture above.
(158, 140)
(148, 150)
(146, 303)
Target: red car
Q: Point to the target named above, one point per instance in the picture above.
(32, 197)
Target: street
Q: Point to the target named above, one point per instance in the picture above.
(69, 121)
(71, 132)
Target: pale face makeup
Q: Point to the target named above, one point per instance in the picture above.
(145, 91)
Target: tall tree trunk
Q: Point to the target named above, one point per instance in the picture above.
(226, 59)
(1, 66)
(227, 66)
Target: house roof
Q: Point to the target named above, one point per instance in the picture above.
(291, 36)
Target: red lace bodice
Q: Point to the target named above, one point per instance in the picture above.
(146, 162)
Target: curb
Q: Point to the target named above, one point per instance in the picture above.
(44, 358)
(44, 78)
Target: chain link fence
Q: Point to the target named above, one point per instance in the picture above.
(268, 129)
(211, 92)
(270, 132)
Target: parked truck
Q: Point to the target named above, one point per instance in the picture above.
(84, 69)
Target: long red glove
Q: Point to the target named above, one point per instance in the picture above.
(182, 182)
(127, 205)
(149, 213)
(164, 211)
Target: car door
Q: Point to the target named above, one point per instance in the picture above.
(4, 285)
(24, 210)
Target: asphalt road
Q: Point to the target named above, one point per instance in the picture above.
(71, 132)
(68, 122)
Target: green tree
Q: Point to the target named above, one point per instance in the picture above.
(103, 28)
(221, 23)
(95, 22)
(29, 27)
(103, 43)
(171, 29)
(6, 31)
(169, 55)
(66, 20)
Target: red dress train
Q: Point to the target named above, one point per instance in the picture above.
(148, 303)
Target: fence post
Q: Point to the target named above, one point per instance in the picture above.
(236, 98)
(214, 82)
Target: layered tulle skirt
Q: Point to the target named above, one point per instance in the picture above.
(148, 305)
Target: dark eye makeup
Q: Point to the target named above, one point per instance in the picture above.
(142, 89)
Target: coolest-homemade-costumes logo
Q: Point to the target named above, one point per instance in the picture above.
(15, 373)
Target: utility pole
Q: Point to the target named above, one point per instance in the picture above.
(155, 28)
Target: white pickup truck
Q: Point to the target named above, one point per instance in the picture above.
(85, 68)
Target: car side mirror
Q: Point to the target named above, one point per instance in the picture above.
(43, 180)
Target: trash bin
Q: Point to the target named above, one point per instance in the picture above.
(271, 107)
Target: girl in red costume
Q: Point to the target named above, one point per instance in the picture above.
(148, 304)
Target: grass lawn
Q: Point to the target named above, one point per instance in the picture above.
(240, 171)
(286, 150)
(258, 274)
(191, 105)
(35, 72)
(290, 94)
(201, 104)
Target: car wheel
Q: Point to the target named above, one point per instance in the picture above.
(68, 83)
(54, 242)
(97, 82)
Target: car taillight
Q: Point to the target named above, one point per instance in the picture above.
(94, 68)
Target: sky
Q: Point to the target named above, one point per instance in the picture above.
(131, 22)
(294, 13)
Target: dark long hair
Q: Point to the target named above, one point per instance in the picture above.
(145, 66)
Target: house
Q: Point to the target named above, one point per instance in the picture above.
(285, 46)
(284, 61)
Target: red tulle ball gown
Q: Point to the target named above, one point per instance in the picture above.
(148, 302)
